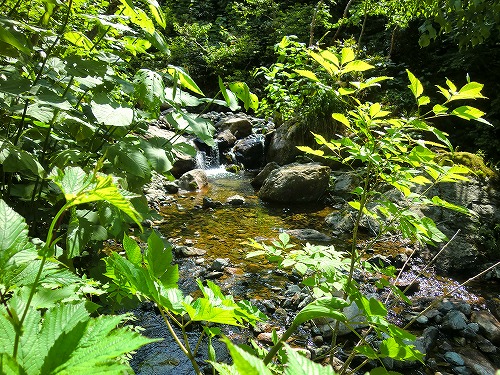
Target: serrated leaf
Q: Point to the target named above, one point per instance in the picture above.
(132, 250)
(297, 364)
(149, 90)
(244, 362)
(9, 366)
(347, 55)
(468, 113)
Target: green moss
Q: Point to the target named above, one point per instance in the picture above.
(472, 161)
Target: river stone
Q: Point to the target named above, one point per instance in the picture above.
(454, 321)
(250, 151)
(235, 200)
(219, 264)
(454, 358)
(428, 339)
(488, 325)
(240, 127)
(189, 251)
(225, 140)
(258, 181)
(193, 180)
(477, 362)
(311, 235)
(298, 183)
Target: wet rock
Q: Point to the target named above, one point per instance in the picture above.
(428, 339)
(226, 140)
(296, 183)
(240, 127)
(219, 264)
(488, 325)
(266, 337)
(171, 187)
(454, 321)
(250, 151)
(454, 358)
(318, 340)
(258, 180)
(380, 261)
(309, 235)
(235, 200)
(477, 362)
(189, 251)
(214, 275)
(210, 203)
(485, 345)
(341, 222)
(282, 146)
(193, 180)
(182, 164)
(269, 305)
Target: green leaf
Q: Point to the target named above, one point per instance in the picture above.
(397, 349)
(330, 307)
(159, 257)
(244, 362)
(347, 55)
(229, 96)
(9, 366)
(383, 371)
(297, 364)
(9, 38)
(154, 151)
(307, 74)
(112, 114)
(423, 100)
(149, 90)
(341, 118)
(468, 113)
(415, 85)
(184, 79)
(14, 159)
(157, 13)
(357, 66)
(243, 93)
(78, 39)
(132, 250)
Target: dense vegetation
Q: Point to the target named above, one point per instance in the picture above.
(79, 83)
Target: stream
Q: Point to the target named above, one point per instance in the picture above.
(222, 232)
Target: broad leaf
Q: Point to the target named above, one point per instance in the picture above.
(112, 114)
(415, 86)
(229, 97)
(149, 90)
(330, 307)
(184, 79)
(243, 93)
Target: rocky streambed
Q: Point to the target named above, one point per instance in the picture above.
(459, 335)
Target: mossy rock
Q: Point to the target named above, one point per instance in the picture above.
(472, 161)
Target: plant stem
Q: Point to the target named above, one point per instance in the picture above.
(286, 335)
(45, 253)
(184, 349)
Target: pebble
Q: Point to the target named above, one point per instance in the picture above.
(219, 264)
(214, 275)
(454, 321)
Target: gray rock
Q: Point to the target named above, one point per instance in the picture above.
(454, 321)
(240, 127)
(193, 180)
(258, 181)
(182, 164)
(296, 183)
(171, 187)
(226, 140)
(210, 203)
(477, 362)
(309, 235)
(219, 264)
(189, 251)
(340, 222)
(250, 151)
(428, 339)
(488, 325)
(454, 358)
(214, 275)
(235, 200)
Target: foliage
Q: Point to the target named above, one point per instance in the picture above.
(148, 275)
(44, 313)
(468, 23)
(388, 153)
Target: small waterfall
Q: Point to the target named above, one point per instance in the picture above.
(208, 157)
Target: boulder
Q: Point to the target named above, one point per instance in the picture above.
(298, 183)
(488, 325)
(258, 180)
(250, 151)
(193, 180)
(225, 140)
(309, 235)
(240, 127)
